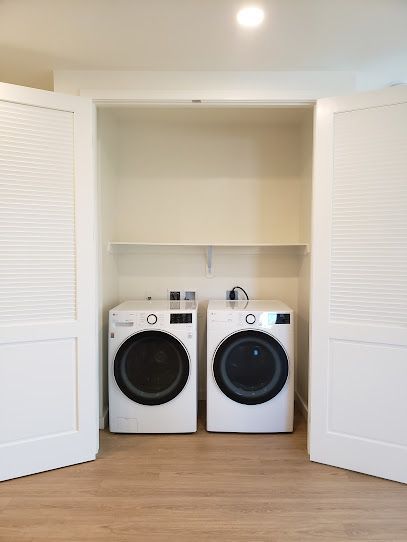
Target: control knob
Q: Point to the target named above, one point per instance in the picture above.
(250, 318)
(152, 319)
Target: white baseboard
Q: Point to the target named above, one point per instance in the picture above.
(302, 405)
(103, 419)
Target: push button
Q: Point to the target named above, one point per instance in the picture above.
(152, 319)
(250, 318)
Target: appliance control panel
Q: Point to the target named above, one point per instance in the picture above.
(259, 319)
(150, 319)
(264, 319)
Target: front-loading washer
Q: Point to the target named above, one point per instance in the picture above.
(153, 367)
(250, 366)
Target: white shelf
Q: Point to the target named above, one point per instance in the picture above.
(130, 246)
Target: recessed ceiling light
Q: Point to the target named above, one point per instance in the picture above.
(250, 16)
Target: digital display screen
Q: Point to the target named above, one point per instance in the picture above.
(181, 318)
(283, 319)
(278, 318)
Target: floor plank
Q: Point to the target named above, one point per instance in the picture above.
(202, 487)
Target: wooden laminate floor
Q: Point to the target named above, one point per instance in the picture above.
(202, 487)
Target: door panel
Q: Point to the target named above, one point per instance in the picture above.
(361, 406)
(25, 367)
(250, 367)
(48, 363)
(151, 367)
(359, 284)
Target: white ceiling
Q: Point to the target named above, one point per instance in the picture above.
(37, 36)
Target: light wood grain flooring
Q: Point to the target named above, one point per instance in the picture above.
(202, 487)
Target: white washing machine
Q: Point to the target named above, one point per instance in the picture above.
(153, 367)
(250, 367)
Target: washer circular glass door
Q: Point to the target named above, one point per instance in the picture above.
(151, 367)
(250, 367)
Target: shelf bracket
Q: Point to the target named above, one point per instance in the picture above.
(209, 261)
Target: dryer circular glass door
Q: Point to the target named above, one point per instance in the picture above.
(250, 367)
(151, 367)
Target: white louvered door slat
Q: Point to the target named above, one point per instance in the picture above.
(48, 371)
(358, 403)
(369, 216)
(36, 142)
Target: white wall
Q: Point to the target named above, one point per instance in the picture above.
(209, 176)
(230, 85)
(108, 279)
(304, 268)
(109, 86)
(385, 70)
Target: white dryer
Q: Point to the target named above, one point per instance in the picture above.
(250, 366)
(153, 367)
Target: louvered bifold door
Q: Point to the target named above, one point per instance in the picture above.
(358, 406)
(48, 375)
